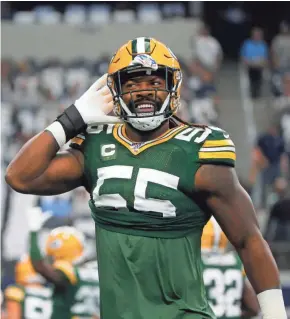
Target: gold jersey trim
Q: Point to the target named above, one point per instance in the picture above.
(119, 134)
(217, 155)
(218, 143)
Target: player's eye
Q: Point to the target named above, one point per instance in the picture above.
(130, 85)
(156, 83)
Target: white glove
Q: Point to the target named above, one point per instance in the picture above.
(36, 218)
(96, 102)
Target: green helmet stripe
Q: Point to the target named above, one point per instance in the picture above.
(134, 46)
(140, 45)
(147, 45)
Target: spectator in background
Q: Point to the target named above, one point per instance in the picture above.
(207, 56)
(270, 160)
(6, 80)
(280, 58)
(283, 101)
(254, 55)
(280, 48)
(278, 226)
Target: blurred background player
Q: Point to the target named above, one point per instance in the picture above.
(28, 297)
(75, 283)
(229, 292)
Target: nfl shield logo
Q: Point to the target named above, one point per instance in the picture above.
(145, 60)
(136, 146)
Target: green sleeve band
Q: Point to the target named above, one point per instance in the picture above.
(34, 250)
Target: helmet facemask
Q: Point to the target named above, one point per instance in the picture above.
(129, 112)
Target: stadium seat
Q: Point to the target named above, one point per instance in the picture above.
(148, 13)
(24, 17)
(99, 14)
(124, 16)
(47, 15)
(75, 15)
(172, 10)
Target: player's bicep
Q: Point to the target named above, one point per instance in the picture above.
(65, 172)
(224, 197)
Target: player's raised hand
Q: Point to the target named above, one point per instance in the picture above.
(36, 218)
(96, 102)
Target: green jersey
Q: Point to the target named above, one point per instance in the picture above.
(35, 301)
(80, 298)
(148, 226)
(224, 280)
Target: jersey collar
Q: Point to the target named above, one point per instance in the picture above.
(119, 134)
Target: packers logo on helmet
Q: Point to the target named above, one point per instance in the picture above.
(140, 57)
(65, 243)
(25, 273)
(213, 238)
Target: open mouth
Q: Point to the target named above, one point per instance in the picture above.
(145, 108)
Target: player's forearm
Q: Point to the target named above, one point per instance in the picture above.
(40, 265)
(263, 274)
(259, 264)
(31, 162)
(13, 310)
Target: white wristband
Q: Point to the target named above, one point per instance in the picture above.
(272, 304)
(58, 133)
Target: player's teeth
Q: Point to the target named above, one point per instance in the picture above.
(144, 106)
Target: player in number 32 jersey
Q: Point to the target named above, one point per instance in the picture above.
(154, 181)
(229, 293)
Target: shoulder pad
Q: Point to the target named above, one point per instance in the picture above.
(67, 269)
(14, 293)
(217, 148)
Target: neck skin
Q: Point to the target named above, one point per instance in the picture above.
(144, 136)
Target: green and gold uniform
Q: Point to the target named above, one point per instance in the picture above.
(80, 297)
(224, 281)
(78, 300)
(148, 227)
(35, 301)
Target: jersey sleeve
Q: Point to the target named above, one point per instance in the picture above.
(14, 293)
(217, 148)
(78, 142)
(67, 270)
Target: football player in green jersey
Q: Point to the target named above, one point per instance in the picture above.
(75, 285)
(154, 181)
(229, 293)
(28, 298)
